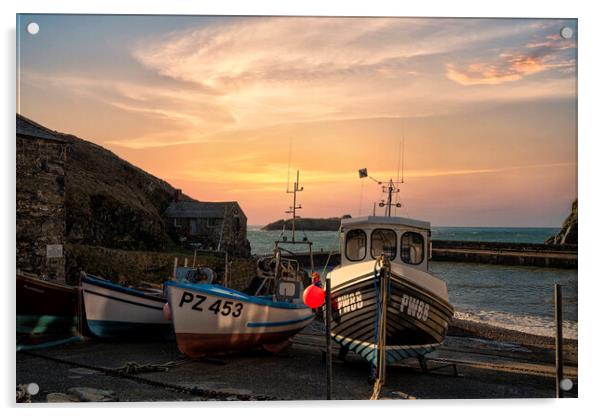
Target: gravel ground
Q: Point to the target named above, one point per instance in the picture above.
(493, 363)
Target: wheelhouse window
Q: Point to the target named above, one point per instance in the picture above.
(355, 245)
(412, 248)
(383, 241)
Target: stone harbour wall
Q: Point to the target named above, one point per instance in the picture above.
(40, 208)
(131, 267)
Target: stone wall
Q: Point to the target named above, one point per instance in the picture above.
(112, 203)
(40, 205)
(131, 267)
(235, 232)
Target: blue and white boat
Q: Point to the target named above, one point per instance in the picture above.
(116, 311)
(212, 318)
(209, 318)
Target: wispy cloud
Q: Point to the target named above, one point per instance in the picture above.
(289, 70)
(244, 74)
(538, 56)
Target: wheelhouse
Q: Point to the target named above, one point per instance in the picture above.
(405, 241)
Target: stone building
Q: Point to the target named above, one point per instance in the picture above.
(40, 202)
(208, 225)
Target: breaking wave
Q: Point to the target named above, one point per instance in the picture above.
(530, 324)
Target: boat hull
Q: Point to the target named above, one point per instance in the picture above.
(114, 311)
(417, 320)
(47, 312)
(211, 318)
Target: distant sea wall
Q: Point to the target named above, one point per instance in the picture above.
(509, 254)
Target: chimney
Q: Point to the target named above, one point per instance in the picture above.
(177, 195)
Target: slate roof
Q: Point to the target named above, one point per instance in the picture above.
(197, 209)
(28, 128)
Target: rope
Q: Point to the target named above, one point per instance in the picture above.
(376, 319)
(23, 395)
(135, 368)
(359, 210)
(328, 258)
(376, 390)
(380, 324)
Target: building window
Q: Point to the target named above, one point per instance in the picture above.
(355, 245)
(383, 241)
(412, 248)
(194, 227)
(213, 222)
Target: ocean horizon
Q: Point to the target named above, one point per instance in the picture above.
(262, 241)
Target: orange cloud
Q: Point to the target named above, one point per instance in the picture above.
(540, 55)
(508, 68)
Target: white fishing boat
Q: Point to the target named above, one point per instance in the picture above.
(213, 318)
(209, 318)
(384, 298)
(116, 311)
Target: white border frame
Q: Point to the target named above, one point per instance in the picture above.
(590, 24)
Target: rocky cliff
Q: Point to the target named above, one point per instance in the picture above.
(307, 224)
(568, 232)
(110, 202)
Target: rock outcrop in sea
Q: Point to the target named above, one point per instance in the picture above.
(568, 232)
(307, 224)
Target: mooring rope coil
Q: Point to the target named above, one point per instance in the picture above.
(135, 368)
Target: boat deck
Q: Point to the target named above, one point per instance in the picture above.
(488, 369)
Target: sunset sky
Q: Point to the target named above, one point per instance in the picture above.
(486, 107)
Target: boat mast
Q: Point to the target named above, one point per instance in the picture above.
(390, 189)
(295, 207)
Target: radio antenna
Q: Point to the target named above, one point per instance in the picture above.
(293, 209)
(398, 163)
(390, 188)
(402, 149)
(288, 173)
(398, 159)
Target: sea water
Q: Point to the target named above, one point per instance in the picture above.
(512, 297)
(262, 242)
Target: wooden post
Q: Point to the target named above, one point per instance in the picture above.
(194, 258)
(328, 341)
(175, 267)
(558, 319)
(185, 261)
